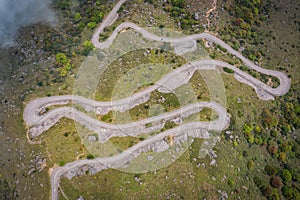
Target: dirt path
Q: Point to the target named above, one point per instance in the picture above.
(214, 7)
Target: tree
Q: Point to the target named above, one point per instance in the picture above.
(61, 58)
(276, 182)
(257, 129)
(251, 139)
(266, 190)
(77, 17)
(63, 62)
(88, 45)
(269, 120)
(247, 128)
(274, 133)
(258, 140)
(286, 175)
(282, 156)
(287, 192)
(178, 3)
(91, 25)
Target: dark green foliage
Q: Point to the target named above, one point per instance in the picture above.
(286, 175)
(6, 191)
(90, 156)
(63, 4)
(290, 192)
(246, 14)
(62, 163)
(230, 71)
(169, 125)
(87, 47)
(178, 10)
(178, 3)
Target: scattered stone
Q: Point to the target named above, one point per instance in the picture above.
(149, 157)
(196, 16)
(92, 138)
(213, 162)
(31, 171)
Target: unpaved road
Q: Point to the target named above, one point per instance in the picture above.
(39, 121)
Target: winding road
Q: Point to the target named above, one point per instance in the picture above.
(39, 120)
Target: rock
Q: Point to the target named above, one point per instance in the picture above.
(32, 170)
(213, 162)
(21, 79)
(92, 138)
(149, 157)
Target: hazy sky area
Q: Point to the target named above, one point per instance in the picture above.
(17, 13)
